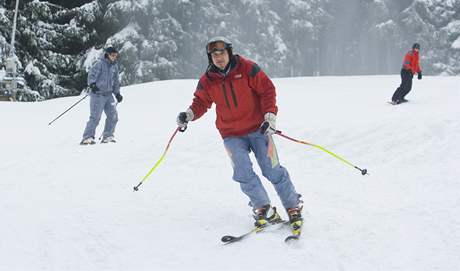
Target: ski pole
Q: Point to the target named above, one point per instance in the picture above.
(161, 158)
(69, 108)
(363, 171)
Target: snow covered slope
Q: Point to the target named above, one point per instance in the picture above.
(69, 207)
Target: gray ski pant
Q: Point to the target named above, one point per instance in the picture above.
(98, 103)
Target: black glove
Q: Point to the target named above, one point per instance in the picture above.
(93, 88)
(184, 117)
(119, 97)
(419, 75)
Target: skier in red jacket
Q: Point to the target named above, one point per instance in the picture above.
(245, 101)
(410, 67)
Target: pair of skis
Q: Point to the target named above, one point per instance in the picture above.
(295, 235)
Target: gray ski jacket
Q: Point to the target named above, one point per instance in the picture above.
(105, 75)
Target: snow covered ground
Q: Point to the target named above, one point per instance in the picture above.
(69, 207)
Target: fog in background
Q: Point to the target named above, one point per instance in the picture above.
(57, 41)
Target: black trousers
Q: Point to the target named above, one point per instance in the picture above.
(405, 87)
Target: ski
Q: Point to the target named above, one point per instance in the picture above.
(394, 103)
(228, 239)
(296, 231)
(292, 237)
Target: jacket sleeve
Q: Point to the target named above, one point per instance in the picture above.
(201, 100)
(416, 64)
(94, 72)
(407, 62)
(116, 81)
(263, 87)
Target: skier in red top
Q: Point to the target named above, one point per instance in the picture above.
(410, 67)
(246, 111)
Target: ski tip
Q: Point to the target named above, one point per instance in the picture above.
(228, 239)
(291, 238)
(396, 103)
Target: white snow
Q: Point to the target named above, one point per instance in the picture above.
(32, 70)
(129, 32)
(92, 56)
(387, 24)
(453, 28)
(456, 43)
(69, 207)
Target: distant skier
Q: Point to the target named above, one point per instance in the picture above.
(103, 81)
(246, 110)
(410, 67)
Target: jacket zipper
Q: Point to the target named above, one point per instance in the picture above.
(225, 94)
(108, 76)
(233, 94)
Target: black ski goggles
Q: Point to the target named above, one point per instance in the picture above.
(217, 46)
(217, 52)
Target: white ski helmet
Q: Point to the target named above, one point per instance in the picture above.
(227, 43)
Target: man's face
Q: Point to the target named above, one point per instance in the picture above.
(219, 54)
(113, 57)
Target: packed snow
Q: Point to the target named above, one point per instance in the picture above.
(69, 207)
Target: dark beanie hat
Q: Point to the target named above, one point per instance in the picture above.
(111, 50)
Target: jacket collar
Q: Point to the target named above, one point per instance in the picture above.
(107, 61)
(214, 72)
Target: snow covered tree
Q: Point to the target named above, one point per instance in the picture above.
(58, 41)
(434, 24)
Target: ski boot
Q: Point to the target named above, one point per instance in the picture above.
(108, 139)
(88, 141)
(295, 219)
(266, 215)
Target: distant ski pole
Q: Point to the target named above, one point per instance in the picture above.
(363, 171)
(84, 97)
(136, 188)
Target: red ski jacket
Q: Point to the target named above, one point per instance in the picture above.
(411, 62)
(242, 97)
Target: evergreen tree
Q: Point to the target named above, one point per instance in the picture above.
(58, 41)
